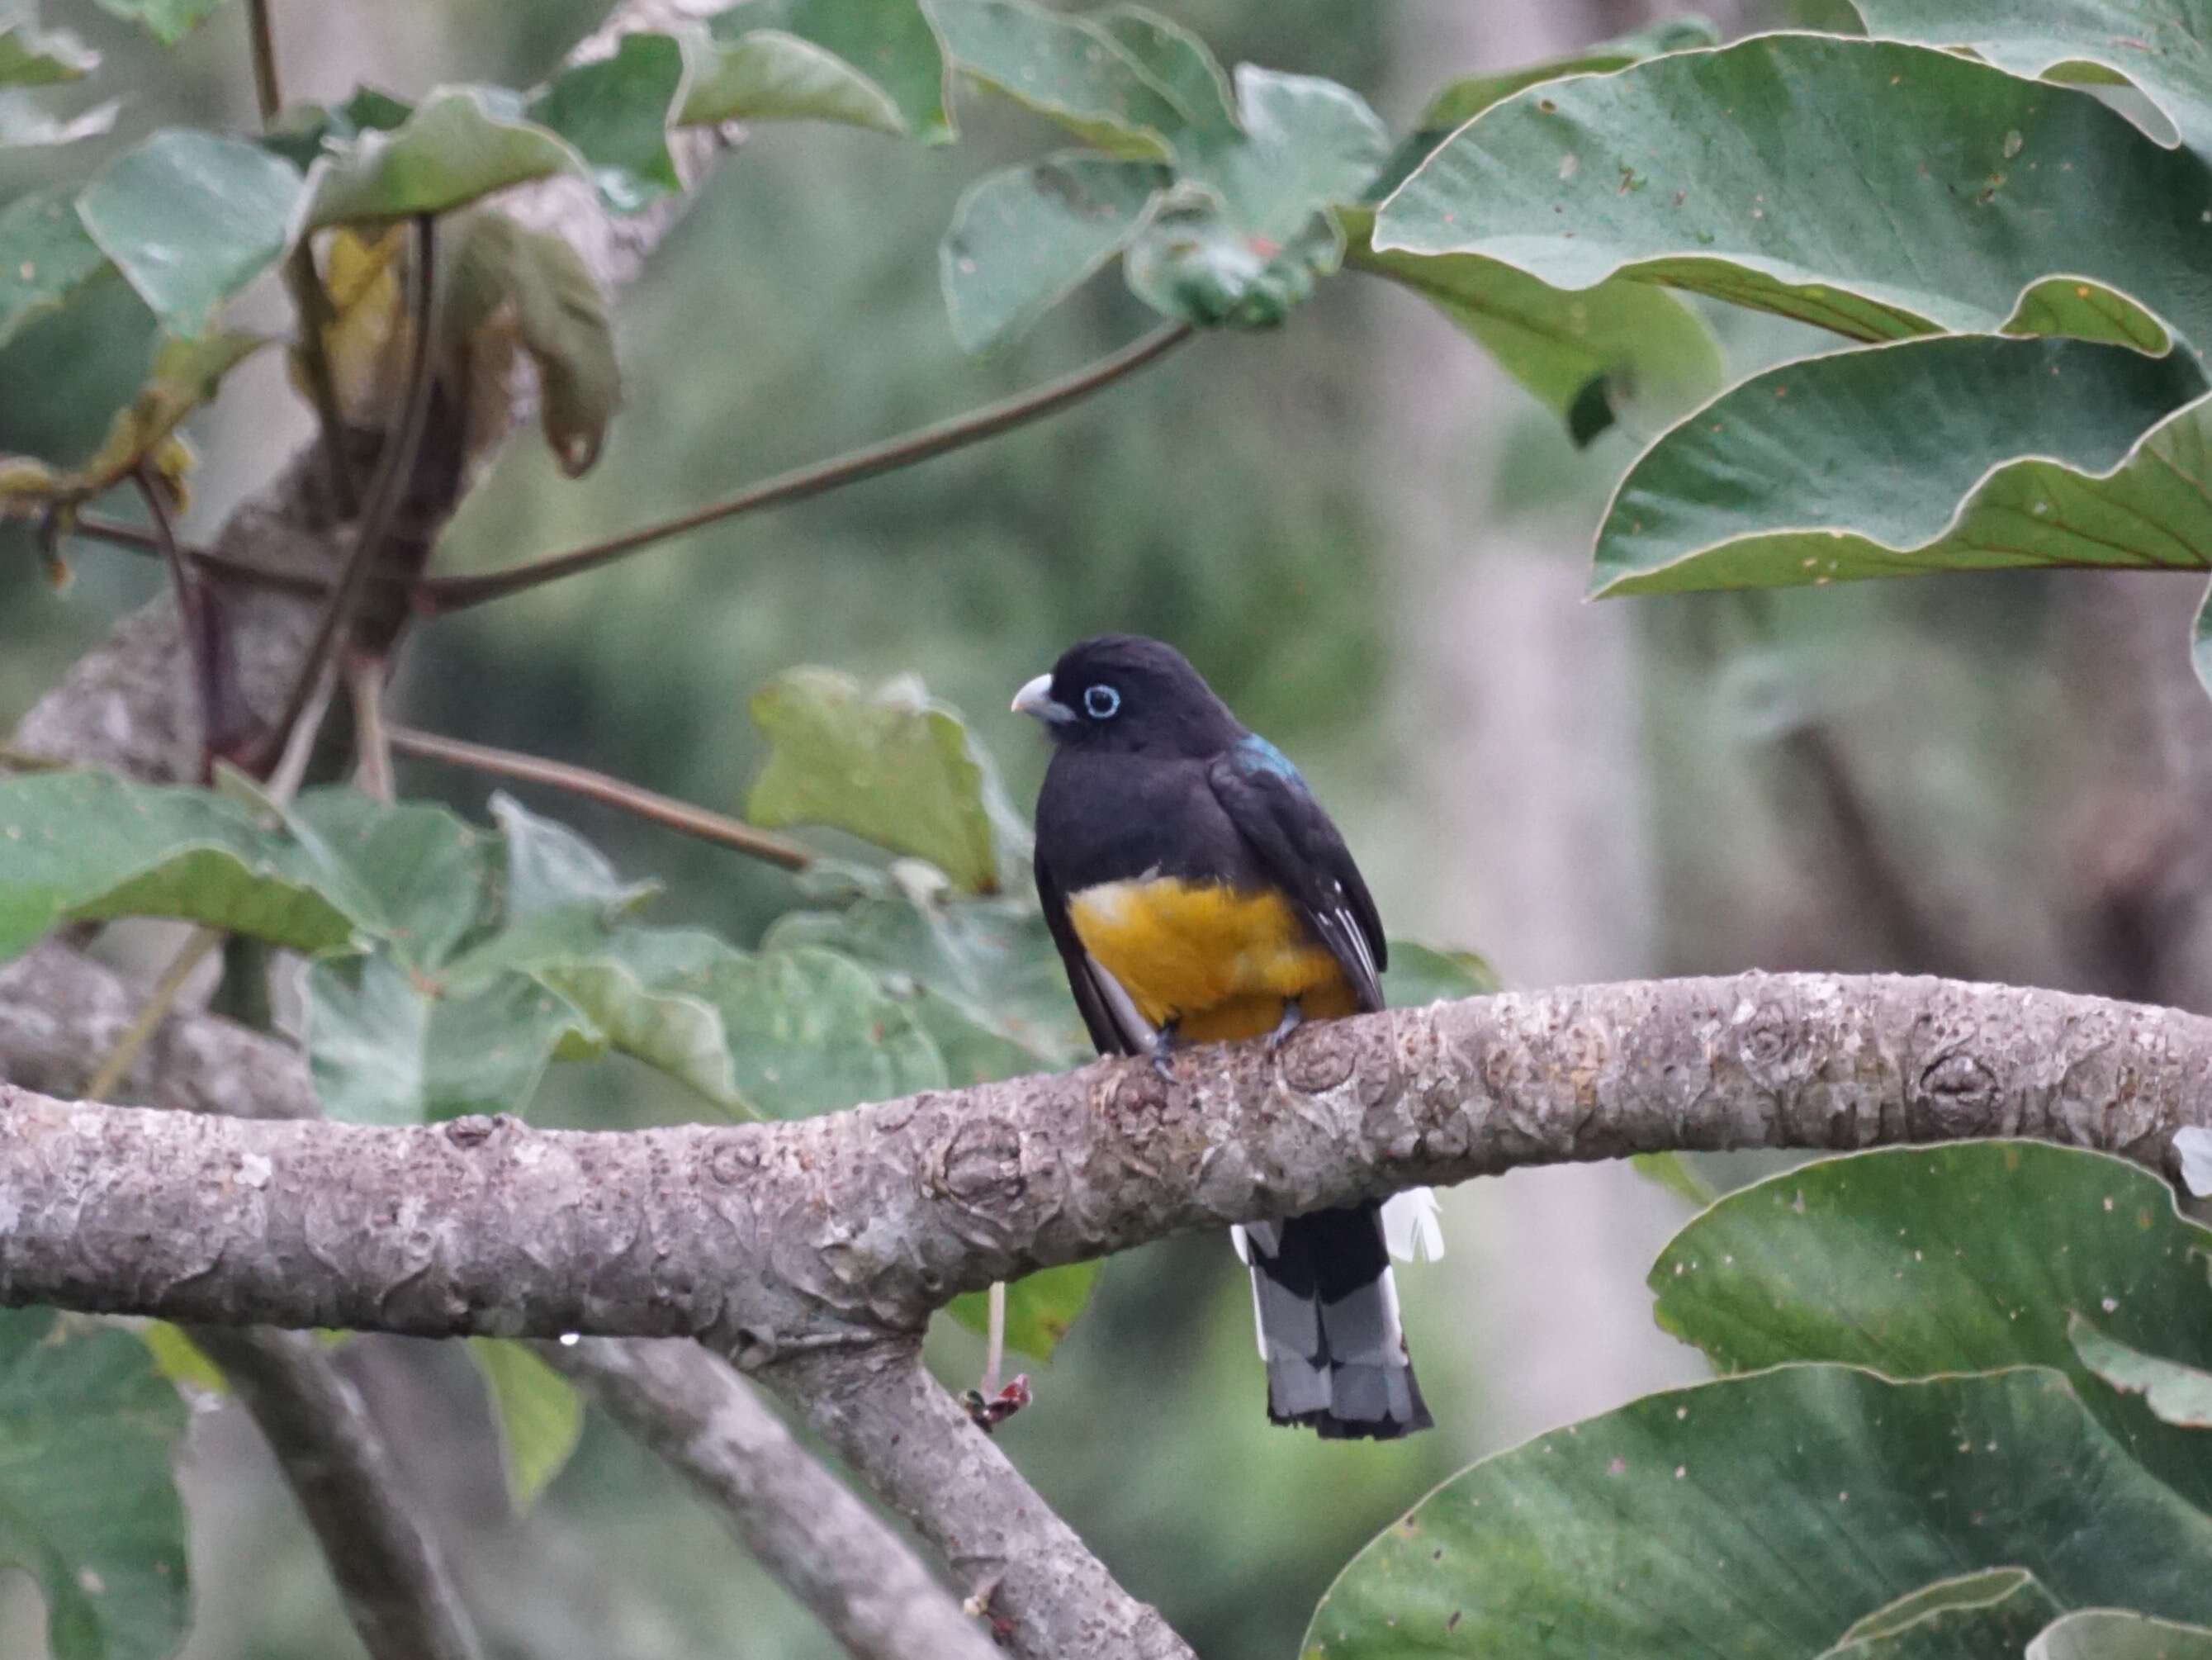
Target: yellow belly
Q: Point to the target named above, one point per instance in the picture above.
(1220, 963)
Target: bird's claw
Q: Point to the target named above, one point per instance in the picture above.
(1163, 1044)
(1293, 1018)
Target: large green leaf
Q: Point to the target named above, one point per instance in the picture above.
(88, 846)
(538, 1412)
(1962, 452)
(891, 767)
(1761, 1516)
(1994, 1613)
(88, 1505)
(1178, 62)
(1462, 100)
(2161, 46)
(1419, 974)
(1639, 344)
(32, 57)
(189, 218)
(45, 257)
(168, 20)
(1024, 238)
(460, 144)
(1945, 188)
(892, 42)
(615, 111)
(411, 875)
(1070, 70)
(1959, 1258)
(2113, 1634)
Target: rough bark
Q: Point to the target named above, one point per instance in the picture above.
(823, 1546)
(775, 1241)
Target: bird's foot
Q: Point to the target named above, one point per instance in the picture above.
(988, 1412)
(1293, 1018)
(1164, 1046)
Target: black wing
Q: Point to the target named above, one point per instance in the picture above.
(1115, 1026)
(1303, 854)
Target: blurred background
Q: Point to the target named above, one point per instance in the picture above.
(1375, 546)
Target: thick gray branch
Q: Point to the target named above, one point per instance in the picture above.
(824, 1545)
(769, 1241)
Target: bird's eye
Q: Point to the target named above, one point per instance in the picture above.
(1102, 702)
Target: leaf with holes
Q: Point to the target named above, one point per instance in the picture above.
(1767, 1515)
(891, 767)
(1963, 453)
(87, 1504)
(890, 44)
(1948, 188)
(190, 218)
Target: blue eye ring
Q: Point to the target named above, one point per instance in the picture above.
(1101, 702)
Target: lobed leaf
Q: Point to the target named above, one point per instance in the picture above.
(87, 1504)
(891, 766)
(1962, 452)
(189, 218)
(1967, 1257)
(894, 44)
(1948, 188)
(1178, 62)
(1024, 238)
(1763, 1517)
(1069, 70)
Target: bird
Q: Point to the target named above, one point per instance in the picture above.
(1198, 893)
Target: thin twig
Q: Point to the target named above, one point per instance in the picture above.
(663, 810)
(372, 739)
(441, 594)
(159, 1002)
(304, 282)
(201, 643)
(395, 466)
(140, 540)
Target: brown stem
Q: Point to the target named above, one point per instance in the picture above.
(263, 37)
(371, 738)
(386, 490)
(663, 810)
(442, 594)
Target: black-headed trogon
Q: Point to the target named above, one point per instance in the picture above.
(1198, 893)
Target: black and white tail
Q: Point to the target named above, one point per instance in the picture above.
(1327, 1313)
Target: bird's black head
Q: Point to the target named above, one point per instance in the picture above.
(1121, 693)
